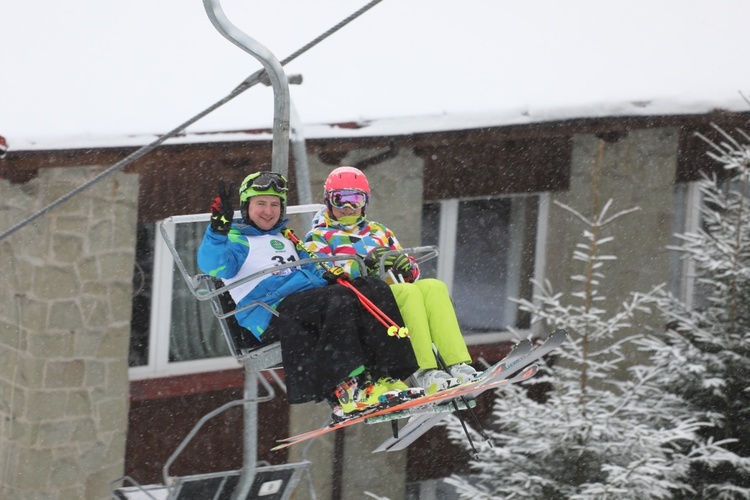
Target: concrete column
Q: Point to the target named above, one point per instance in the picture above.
(638, 171)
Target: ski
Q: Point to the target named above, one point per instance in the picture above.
(491, 378)
(421, 423)
(415, 405)
(422, 411)
(505, 368)
(520, 350)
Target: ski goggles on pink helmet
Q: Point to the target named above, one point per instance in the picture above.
(347, 197)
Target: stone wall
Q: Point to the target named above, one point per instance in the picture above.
(65, 307)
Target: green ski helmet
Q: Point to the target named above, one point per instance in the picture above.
(263, 184)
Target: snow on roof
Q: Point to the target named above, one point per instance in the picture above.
(90, 73)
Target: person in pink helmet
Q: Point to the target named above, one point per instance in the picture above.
(343, 229)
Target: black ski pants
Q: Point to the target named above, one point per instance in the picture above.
(325, 334)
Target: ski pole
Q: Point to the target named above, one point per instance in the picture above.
(393, 329)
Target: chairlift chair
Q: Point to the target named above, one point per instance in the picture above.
(254, 356)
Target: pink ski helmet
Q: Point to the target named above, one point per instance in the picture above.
(346, 179)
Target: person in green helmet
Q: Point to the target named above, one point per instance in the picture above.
(332, 349)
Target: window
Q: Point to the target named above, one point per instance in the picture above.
(489, 252)
(173, 333)
(691, 207)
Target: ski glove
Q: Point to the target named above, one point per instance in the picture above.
(332, 274)
(222, 211)
(372, 261)
(399, 263)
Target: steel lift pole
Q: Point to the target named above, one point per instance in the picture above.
(279, 164)
(279, 82)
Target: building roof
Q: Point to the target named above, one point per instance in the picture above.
(95, 74)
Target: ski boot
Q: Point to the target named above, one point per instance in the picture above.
(435, 380)
(359, 394)
(399, 392)
(463, 372)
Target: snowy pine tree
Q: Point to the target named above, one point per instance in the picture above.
(704, 355)
(597, 434)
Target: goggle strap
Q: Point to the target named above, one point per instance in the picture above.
(270, 180)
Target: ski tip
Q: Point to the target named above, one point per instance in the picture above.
(529, 371)
(561, 332)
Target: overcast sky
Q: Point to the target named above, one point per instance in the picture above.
(88, 72)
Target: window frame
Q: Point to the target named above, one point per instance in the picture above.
(160, 322)
(687, 218)
(448, 232)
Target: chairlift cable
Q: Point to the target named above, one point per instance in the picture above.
(246, 84)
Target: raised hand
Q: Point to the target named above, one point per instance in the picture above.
(222, 211)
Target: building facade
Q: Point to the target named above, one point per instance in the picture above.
(110, 362)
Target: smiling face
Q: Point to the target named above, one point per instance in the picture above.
(264, 211)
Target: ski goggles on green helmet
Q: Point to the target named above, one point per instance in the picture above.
(347, 197)
(263, 183)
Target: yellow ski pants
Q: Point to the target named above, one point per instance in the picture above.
(428, 312)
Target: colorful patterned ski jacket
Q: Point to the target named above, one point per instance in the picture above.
(247, 250)
(330, 237)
